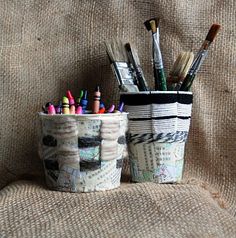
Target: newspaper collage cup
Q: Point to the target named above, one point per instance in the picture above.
(82, 153)
(158, 129)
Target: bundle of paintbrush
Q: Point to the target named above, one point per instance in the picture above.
(126, 65)
(179, 70)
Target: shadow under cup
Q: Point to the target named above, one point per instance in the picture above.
(158, 129)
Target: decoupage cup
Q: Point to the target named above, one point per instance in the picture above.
(82, 153)
(158, 129)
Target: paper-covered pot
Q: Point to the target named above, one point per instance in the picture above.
(158, 129)
(82, 153)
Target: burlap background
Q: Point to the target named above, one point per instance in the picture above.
(47, 47)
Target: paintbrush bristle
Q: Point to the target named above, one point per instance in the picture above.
(135, 55)
(189, 56)
(109, 51)
(177, 64)
(148, 23)
(128, 47)
(181, 67)
(153, 26)
(213, 32)
(133, 51)
(116, 50)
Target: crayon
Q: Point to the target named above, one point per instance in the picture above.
(71, 102)
(84, 101)
(121, 107)
(79, 98)
(72, 109)
(70, 97)
(51, 109)
(59, 108)
(45, 108)
(65, 105)
(96, 100)
(79, 110)
(102, 110)
(102, 105)
(111, 109)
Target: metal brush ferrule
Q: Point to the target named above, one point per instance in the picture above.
(157, 58)
(123, 73)
(198, 62)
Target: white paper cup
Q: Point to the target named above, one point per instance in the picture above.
(82, 153)
(158, 129)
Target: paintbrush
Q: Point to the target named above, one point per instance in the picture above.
(200, 57)
(159, 74)
(120, 65)
(134, 60)
(180, 70)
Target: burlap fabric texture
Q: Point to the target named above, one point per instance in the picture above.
(50, 46)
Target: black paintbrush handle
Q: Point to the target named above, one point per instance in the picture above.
(188, 81)
(141, 80)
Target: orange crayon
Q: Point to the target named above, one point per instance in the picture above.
(72, 109)
(96, 100)
(102, 110)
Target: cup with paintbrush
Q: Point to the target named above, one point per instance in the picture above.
(159, 120)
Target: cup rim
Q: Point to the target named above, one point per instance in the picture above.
(157, 92)
(103, 115)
